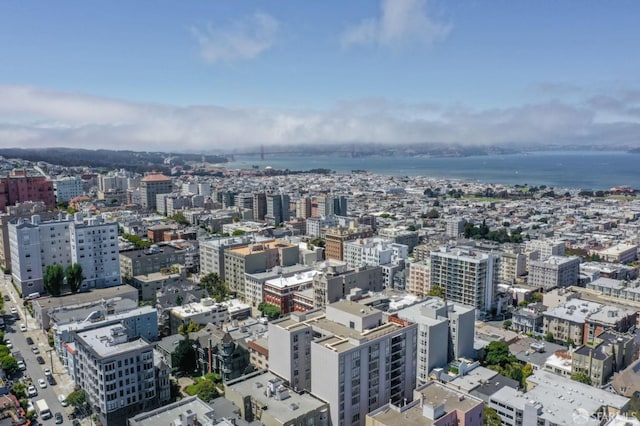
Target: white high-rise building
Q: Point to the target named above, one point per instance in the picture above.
(555, 271)
(116, 373)
(373, 251)
(466, 276)
(438, 322)
(92, 243)
(68, 187)
(358, 363)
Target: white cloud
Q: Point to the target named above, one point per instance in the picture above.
(35, 117)
(400, 22)
(240, 40)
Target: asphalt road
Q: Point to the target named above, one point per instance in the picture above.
(34, 370)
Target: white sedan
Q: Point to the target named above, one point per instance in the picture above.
(23, 327)
(42, 383)
(32, 391)
(8, 343)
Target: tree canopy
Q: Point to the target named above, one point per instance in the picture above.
(184, 356)
(53, 279)
(269, 311)
(9, 364)
(74, 277)
(76, 398)
(436, 291)
(215, 286)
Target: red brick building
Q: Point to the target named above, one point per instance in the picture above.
(20, 187)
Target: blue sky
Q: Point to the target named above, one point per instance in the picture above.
(210, 75)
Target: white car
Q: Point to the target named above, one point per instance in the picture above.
(35, 350)
(23, 327)
(32, 391)
(47, 372)
(63, 400)
(42, 383)
(21, 365)
(7, 343)
(14, 310)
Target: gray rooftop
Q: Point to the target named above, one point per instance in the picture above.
(574, 310)
(255, 386)
(110, 341)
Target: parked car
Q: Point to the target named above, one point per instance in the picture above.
(23, 327)
(47, 372)
(42, 383)
(35, 350)
(29, 341)
(8, 344)
(21, 365)
(32, 391)
(7, 298)
(51, 380)
(59, 418)
(63, 400)
(40, 360)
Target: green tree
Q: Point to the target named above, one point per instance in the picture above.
(20, 390)
(497, 353)
(432, 214)
(184, 356)
(507, 324)
(77, 398)
(436, 291)
(191, 327)
(180, 219)
(549, 337)
(53, 279)
(536, 297)
(581, 377)
(179, 300)
(9, 365)
(215, 286)
(318, 242)
(206, 390)
(269, 311)
(490, 417)
(237, 232)
(527, 370)
(74, 276)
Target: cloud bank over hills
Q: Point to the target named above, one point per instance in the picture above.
(37, 117)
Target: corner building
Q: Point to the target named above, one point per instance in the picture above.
(355, 361)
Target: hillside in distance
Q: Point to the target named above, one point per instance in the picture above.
(108, 159)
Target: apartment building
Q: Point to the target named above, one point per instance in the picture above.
(438, 322)
(212, 252)
(400, 236)
(348, 355)
(277, 209)
(202, 313)
(556, 271)
(67, 187)
(151, 185)
(553, 400)
(254, 283)
(620, 253)
(94, 246)
(616, 288)
(419, 281)
(610, 352)
(566, 322)
(434, 405)
(263, 398)
(466, 276)
(20, 210)
(92, 243)
(373, 251)
(148, 261)
(257, 257)
(337, 281)
(512, 266)
(116, 373)
(336, 237)
(455, 226)
(279, 291)
(23, 185)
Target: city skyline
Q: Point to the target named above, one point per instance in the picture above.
(211, 75)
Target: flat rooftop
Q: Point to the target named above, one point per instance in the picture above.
(285, 410)
(260, 247)
(106, 342)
